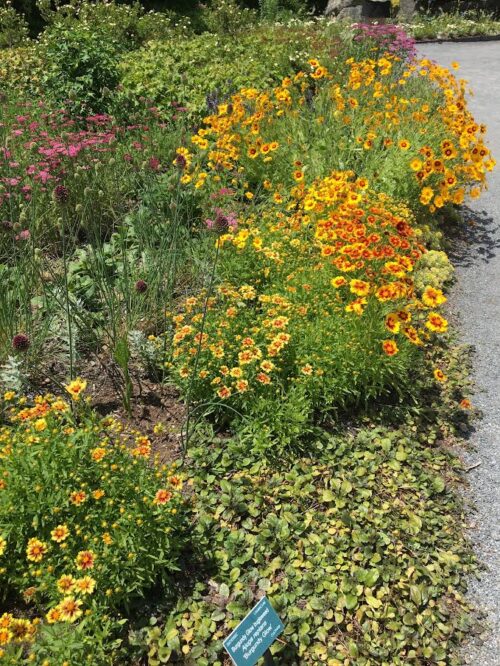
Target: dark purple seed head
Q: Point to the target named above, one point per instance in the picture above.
(141, 286)
(21, 342)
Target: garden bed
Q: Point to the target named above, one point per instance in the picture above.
(226, 367)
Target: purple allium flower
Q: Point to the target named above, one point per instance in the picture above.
(21, 342)
(222, 222)
(141, 286)
(180, 161)
(60, 194)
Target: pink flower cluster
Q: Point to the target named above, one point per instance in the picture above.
(390, 37)
(41, 149)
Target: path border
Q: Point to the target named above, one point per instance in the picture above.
(471, 38)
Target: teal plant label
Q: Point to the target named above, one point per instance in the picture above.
(254, 634)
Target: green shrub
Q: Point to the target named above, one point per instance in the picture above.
(83, 515)
(126, 26)
(187, 71)
(434, 269)
(81, 69)
(13, 27)
(226, 17)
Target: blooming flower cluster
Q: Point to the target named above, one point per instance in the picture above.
(85, 520)
(317, 271)
(311, 297)
(406, 126)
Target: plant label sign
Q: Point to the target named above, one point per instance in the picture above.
(254, 634)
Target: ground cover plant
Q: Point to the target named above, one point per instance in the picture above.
(244, 269)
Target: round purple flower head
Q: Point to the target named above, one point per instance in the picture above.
(60, 194)
(21, 342)
(222, 223)
(141, 286)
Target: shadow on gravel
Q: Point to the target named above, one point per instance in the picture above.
(479, 241)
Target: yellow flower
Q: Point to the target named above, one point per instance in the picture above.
(436, 323)
(76, 387)
(60, 533)
(40, 425)
(36, 550)
(70, 609)
(3, 545)
(85, 585)
(439, 375)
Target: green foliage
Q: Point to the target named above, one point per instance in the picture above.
(226, 17)
(82, 69)
(434, 269)
(359, 549)
(188, 70)
(453, 25)
(13, 27)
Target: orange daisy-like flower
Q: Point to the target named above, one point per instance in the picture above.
(76, 388)
(465, 404)
(390, 347)
(65, 584)
(224, 392)
(392, 323)
(70, 609)
(78, 497)
(439, 375)
(263, 378)
(5, 620)
(298, 176)
(359, 287)
(404, 144)
(6, 636)
(22, 630)
(59, 533)
(385, 293)
(85, 560)
(54, 615)
(307, 369)
(436, 323)
(242, 386)
(162, 496)
(412, 334)
(85, 585)
(433, 297)
(36, 550)
(98, 453)
(143, 448)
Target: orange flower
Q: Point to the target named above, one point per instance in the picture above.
(78, 497)
(392, 323)
(433, 297)
(263, 378)
(36, 550)
(76, 387)
(390, 347)
(465, 404)
(359, 287)
(70, 609)
(436, 323)
(54, 615)
(162, 496)
(85, 585)
(98, 453)
(439, 375)
(65, 584)
(85, 559)
(59, 533)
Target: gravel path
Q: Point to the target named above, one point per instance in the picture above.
(476, 298)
